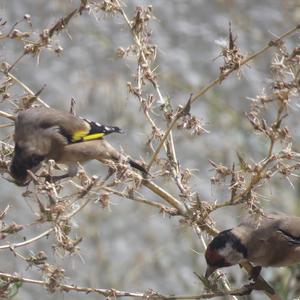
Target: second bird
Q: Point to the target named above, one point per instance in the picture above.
(273, 241)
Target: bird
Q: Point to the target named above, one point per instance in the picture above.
(273, 241)
(43, 133)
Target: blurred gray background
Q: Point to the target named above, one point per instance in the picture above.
(129, 246)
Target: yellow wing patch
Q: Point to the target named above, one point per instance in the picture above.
(93, 136)
(83, 135)
(78, 135)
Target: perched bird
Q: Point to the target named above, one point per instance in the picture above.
(45, 133)
(273, 241)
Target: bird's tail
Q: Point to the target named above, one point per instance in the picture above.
(137, 166)
(100, 128)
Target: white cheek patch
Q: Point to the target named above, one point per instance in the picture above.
(226, 250)
(231, 255)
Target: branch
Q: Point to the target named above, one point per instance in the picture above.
(167, 132)
(244, 61)
(131, 196)
(116, 293)
(25, 87)
(27, 242)
(7, 115)
(165, 195)
(216, 81)
(152, 80)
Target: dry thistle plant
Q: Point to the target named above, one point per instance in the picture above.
(56, 203)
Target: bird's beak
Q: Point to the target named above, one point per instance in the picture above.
(209, 271)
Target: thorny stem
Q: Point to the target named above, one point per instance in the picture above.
(170, 141)
(17, 60)
(47, 232)
(140, 97)
(133, 197)
(77, 210)
(255, 178)
(27, 242)
(166, 134)
(151, 295)
(7, 115)
(165, 195)
(25, 87)
(216, 81)
(245, 61)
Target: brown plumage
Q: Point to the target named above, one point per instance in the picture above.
(46, 133)
(274, 241)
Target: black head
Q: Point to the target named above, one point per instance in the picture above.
(23, 161)
(225, 250)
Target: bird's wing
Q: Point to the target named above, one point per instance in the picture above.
(64, 126)
(289, 228)
(273, 241)
(254, 235)
(281, 226)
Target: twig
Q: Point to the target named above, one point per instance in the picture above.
(166, 134)
(17, 60)
(137, 40)
(143, 200)
(245, 61)
(117, 293)
(6, 125)
(216, 81)
(165, 195)
(24, 86)
(27, 242)
(47, 232)
(77, 210)
(7, 115)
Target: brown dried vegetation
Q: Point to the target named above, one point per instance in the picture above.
(55, 206)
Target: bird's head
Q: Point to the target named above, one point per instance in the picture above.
(225, 250)
(24, 159)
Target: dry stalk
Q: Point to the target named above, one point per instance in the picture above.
(58, 211)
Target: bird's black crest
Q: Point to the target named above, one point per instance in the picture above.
(225, 237)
